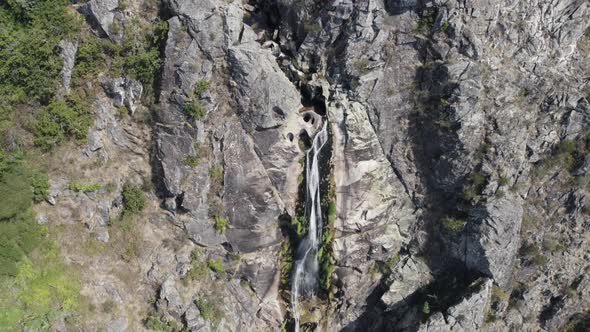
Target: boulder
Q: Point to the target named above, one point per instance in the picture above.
(68, 54)
(468, 315)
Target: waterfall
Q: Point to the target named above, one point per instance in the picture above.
(305, 276)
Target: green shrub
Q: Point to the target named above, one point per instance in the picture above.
(156, 322)
(134, 200)
(567, 147)
(194, 108)
(473, 187)
(392, 261)
(216, 179)
(331, 213)
(312, 27)
(20, 185)
(477, 178)
(552, 245)
(40, 184)
(193, 160)
(5, 163)
(216, 265)
(426, 308)
(59, 120)
(220, 224)
(91, 56)
(199, 268)
(111, 187)
(503, 181)
(202, 86)
(426, 20)
(327, 268)
(144, 65)
(563, 156)
(139, 55)
(84, 187)
(499, 295)
(286, 262)
(108, 306)
(531, 252)
(209, 310)
(299, 224)
(452, 224)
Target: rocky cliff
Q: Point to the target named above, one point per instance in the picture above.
(454, 185)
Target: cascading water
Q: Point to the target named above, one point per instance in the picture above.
(305, 277)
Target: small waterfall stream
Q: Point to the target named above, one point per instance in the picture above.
(305, 276)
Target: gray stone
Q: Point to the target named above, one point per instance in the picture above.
(102, 13)
(103, 235)
(170, 300)
(42, 218)
(194, 320)
(118, 325)
(409, 275)
(68, 54)
(125, 92)
(468, 315)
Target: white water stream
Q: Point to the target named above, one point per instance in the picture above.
(305, 276)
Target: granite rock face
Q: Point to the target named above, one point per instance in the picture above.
(457, 163)
(467, 315)
(438, 112)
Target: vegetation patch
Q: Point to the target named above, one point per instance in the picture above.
(199, 268)
(567, 155)
(84, 187)
(452, 224)
(475, 184)
(156, 322)
(325, 252)
(61, 120)
(531, 253)
(193, 160)
(216, 265)
(91, 57)
(139, 55)
(35, 286)
(134, 200)
(29, 34)
(220, 224)
(210, 310)
(40, 184)
(194, 108)
(202, 86)
(286, 262)
(427, 20)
